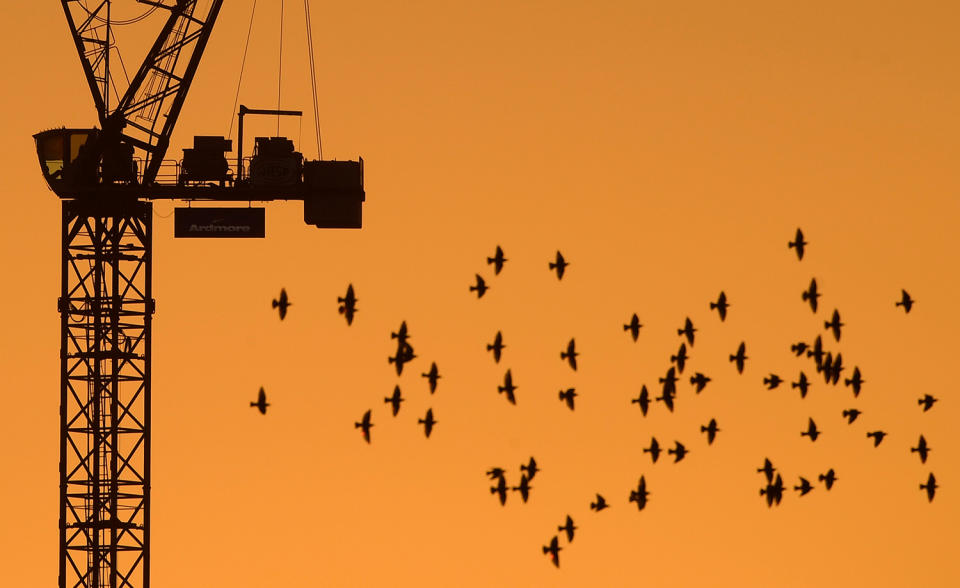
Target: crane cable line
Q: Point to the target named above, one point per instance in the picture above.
(313, 77)
(280, 68)
(243, 62)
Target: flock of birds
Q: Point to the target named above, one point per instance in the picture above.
(825, 362)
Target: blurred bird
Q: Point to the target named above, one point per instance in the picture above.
(554, 551)
(348, 304)
(633, 326)
(680, 358)
(500, 489)
(721, 305)
(877, 437)
(667, 398)
(282, 304)
(834, 324)
(829, 478)
(817, 352)
(740, 357)
(767, 469)
(481, 286)
(700, 381)
(772, 382)
(921, 449)
(394, 400)
(798, 348)
(811, 431)
(560, 265)
(653, 450)
(826, 366)
(401, 335)
(428, 422)
(773, 491)
(798, 243)
(687, 331)
(836, 369)
(567, 396)
(711, 430)
(811, 295)
(927, 402)
(905, 301)
(497, 260)
(570, 354)
(640, 494)
(803, 384)
(261, 402)
(643, 400)
(855, 382)
(432, 376)
(804, 486)
(404, 354)
(495, 473)
(531, 468)
(496, 347)
(600, 504)
(524, 488)
(851, 415)
(678, 452)
(569, 528)
(669, 381)
(508, 387)
(930, 487)
(364, 425)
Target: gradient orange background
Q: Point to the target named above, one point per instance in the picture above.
(670, 152)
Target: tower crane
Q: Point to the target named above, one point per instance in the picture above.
(107, 178)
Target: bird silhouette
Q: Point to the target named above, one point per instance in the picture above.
(834, 324)
(600, 504)
(802, 384)
(721, 306)
(282, 303)
(927, 402)
(798, 243)
(930, 487)
(497, 260)
(740, 357)
(653, 450)
(687, 331)
(480, 287)
(633, 326)
(403, 355)
(680, 358)
(851, 415)
(711, 430)
(495, 473)
(496, 347)
(774, 491)
(567, 396)
(811, 295)
(877, 437)
(261, 402)
(531, 468)
(560, 264)
(348, 304)
(643, 400)
(432, 376)
(767, 469)
(394, 400)
(905, 301)
(524, 488)
(921, 449)
(500, 489)
(700, 381)
(798, 348)
(569, 528)
(508, 387)
(554, 550)
(829, 478)
(570, 354)
(364, 425)
(855, 382)
(678, 452)
(811, 431)
(804, 486)
(772, 382)
(640, 494)
(428, 422)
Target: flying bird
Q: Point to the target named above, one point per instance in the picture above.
(855, 382)
(570, 354)
(531, 468)
(700, 381)
(560, 265)
(817, 352)
(680, 358)
(767, 469)
(721, 305)
(640, 494)
(798, 243)
(569, 528)
(829, 478)
(930, 487)
(348, 304)
(653, 450)
(803, 384)
(364, 425)
(772, 382)
(495, 473)
(643, 400)
(804, 486)
(905, 301)
(481, 286)
(394, 400)
(404, 354)
(567, 396)
(927, 402)
(773, 491)
(810, 295)
(921, 449)
(261, 402)
(667, 398)
(678, 452)
(524, 488)
(427, 423)
(432, 376)
(798, 348)
(740, 357)
(497, 260)
(811, 431)
(401, 335)
(711, 430)
(836, 369)
(500, 489)
(633, 326)
(600, 504)
(851, 415)
(496, 347)
(687, 331)
(877, 437)
(282, 304)
(508, 387)
(554, 551)
(834, 324)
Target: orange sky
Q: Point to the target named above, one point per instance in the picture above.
(669, 152)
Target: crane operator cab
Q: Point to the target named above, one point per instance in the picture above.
(69, 162)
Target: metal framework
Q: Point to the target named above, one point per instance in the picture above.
(105, 313)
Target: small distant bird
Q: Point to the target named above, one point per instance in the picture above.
(834, 324)
(640, 494)
(804, 486)
(497, 260)
(687, 331)
(496, 347)
(570, 354)
(364, 425)
(569, 528)
(798, 243)
(567, 396)
(798, 348)
(829, 478)
(633, 326)
(500, 489)
(877, 437)
(927, 402)
(767, 469)
(680, 358)
(508, 387)
(261, 402)
(348, 304)
(432, 376)
(524, 488)
(826, 366)
(773, 491)
(404, 354)
(740, 357)
(600, 504)
(678, 452)
(921, 449)
(653, 450)
(905, 301)
(700, 381)
(560, 265)
(401, 334)
(711, 430)
(817, 352)
(811, 295)
(836, 369)
(855, 382)
(811, 431)
(282, 304)
(803, 384)
(772, 382)
(851, 415)
(643, 400)
(667, 398)
(495, 473)
(554, 551)
(428, 422)
(531, 468)
(930, 487)
(481, 286)
(721, 305)
(394, 400)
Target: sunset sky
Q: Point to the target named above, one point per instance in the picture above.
(669, 151)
